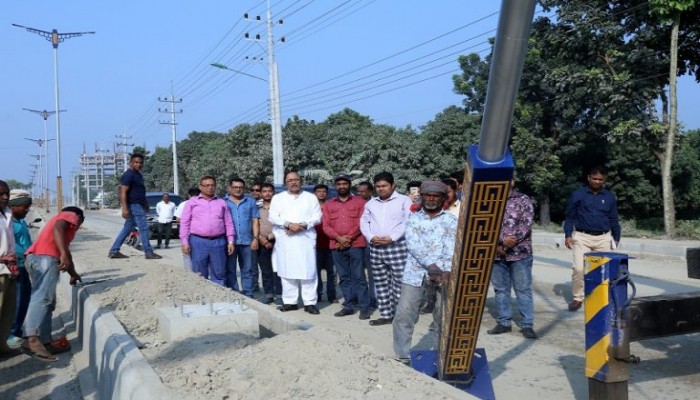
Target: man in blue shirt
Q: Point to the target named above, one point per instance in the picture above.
(132, 195)
(20, 202)
(592, 224)
(246, 221)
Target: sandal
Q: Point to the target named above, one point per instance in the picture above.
(39, 355)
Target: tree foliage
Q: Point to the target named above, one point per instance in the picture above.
(594, 74)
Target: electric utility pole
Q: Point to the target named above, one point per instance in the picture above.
(38, 158)
(173, 124)
(45, 116)
(275, 113)
(45, 186)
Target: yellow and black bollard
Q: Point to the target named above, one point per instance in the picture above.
(607, 325)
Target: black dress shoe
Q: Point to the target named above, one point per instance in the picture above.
(117, 255)
(381, 321)
(528, 333)
(345, 311)
(498, 329)
(288, 307)
(364, 315)
(311, 309)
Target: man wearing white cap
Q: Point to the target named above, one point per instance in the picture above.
(20, 202)
(430, 234)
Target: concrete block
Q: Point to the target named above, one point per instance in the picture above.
(187, 320)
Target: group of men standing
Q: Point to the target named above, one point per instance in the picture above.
(280, 234)
(387, 249)
(409, 245)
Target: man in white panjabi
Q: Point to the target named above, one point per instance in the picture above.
(293, 215)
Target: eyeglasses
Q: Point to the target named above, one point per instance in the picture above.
(255, 190)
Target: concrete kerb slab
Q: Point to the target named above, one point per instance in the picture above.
(117, 369)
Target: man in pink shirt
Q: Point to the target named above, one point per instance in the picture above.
(206, 232)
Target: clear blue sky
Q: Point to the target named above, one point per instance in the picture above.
(390, 59)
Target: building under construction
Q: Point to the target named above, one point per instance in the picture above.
(95, 183)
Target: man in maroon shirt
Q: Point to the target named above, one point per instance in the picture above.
(341, 222)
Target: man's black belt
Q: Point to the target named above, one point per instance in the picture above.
(209, 237)
(593, 233)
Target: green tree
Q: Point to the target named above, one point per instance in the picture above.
(443, 141)
(15, 184)
(587, 95)
(670, 11)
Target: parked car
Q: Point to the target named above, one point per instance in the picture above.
(153, 199)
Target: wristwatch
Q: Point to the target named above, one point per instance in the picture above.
(286, 225)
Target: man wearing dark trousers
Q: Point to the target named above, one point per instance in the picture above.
(166, 211)
(324, 257)
(341, 223)
(246, 221)
(132, 195)
(272, 285)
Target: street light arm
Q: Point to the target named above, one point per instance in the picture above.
(222, 66)
(43, 113)
(74, 34)
(54, 37)
(46, 34)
